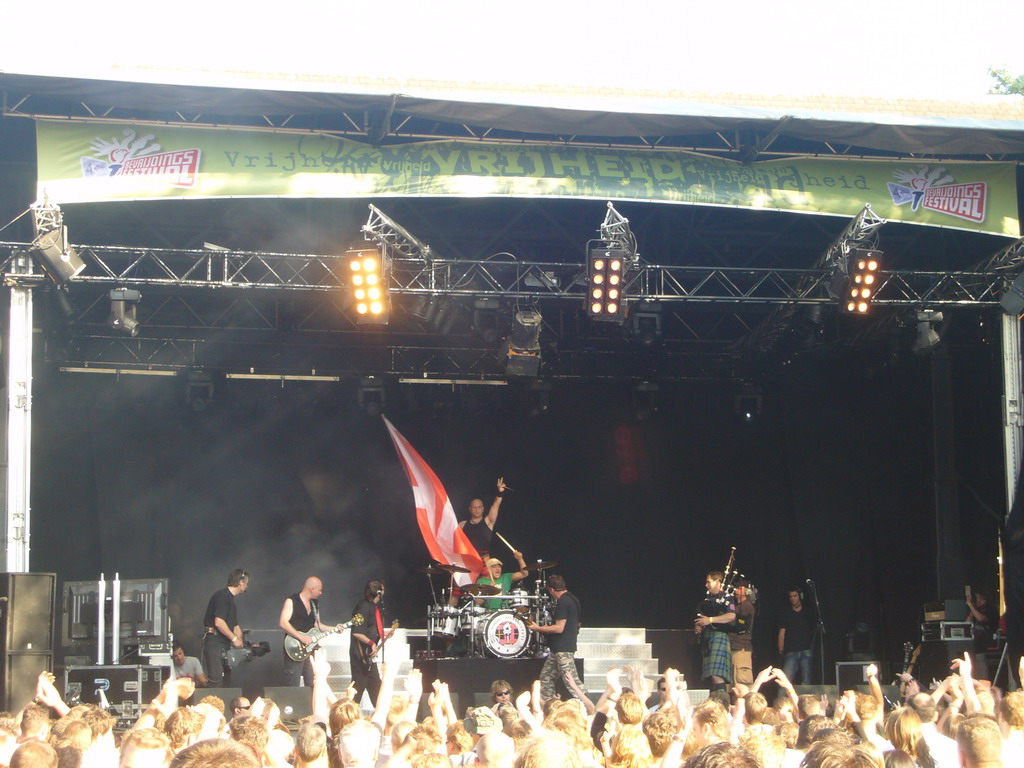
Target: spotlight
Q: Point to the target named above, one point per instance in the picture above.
(747, 403)
(123, 304)
(645, 399)
(57, 258)
(927, 337)
(645, 324)
(485, 319)
(368, 272)
(198, 389)
(372, 397)
(606, 268)
(541, 398)
(522, 348)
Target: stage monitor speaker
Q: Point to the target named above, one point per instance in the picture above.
(850, 674)
(832, 691)
(224, 694)
(294, 702)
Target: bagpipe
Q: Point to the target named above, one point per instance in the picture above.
(732, 579)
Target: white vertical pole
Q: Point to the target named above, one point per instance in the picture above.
(101, 622)
(19, 417)
(115, 621)
(1013, 408)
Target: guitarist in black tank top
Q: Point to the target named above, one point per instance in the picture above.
(299, 615)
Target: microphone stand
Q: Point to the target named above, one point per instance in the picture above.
(819, 630)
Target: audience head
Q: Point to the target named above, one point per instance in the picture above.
(495, 750)
(310, 742)
(145, 748)
(979, 741)
(34, 754)
(550, 750)
(217, 753)
(358, 744)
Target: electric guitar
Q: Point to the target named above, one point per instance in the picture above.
(369, 659)
(297, 651)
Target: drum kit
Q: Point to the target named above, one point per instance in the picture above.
(462, 628)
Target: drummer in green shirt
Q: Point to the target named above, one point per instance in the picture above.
(501, 580)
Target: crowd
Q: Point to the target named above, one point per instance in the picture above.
(959, 721)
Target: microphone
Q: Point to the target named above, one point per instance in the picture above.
(810, 582)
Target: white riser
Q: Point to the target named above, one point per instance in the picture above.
(613, 651)
(616, 635)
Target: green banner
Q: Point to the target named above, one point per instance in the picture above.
(91, 162)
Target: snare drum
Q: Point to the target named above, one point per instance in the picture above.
(505, 634)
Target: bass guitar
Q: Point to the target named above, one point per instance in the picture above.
(298, 651)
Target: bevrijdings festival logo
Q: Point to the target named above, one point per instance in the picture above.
(136, 155)
(935, 190)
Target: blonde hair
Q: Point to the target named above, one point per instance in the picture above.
(630, 749)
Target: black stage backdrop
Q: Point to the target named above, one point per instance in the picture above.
(832, 482)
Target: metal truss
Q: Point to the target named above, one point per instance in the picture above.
(615, 232)
(102, 353)
(516, 281)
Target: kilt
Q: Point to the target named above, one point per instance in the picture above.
(717, 656)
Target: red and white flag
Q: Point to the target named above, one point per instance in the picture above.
(445, 540)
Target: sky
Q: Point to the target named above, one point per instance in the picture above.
(941, 49)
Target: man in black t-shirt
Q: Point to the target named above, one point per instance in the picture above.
(222, 628)
(796, 636)
(561, 641)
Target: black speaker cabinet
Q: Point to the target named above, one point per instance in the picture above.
(26, 634)
(26, 602)
(20, 671)
(933, 663)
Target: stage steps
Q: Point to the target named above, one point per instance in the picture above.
(602, 648)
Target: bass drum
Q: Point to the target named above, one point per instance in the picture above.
(505, 634)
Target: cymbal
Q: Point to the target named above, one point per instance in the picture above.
(541, 565)
(435, 568)
(480, 589)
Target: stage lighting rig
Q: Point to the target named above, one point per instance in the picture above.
(609, 259)
(855, 263)
(368, 270)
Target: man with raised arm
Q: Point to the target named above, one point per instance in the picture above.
(478, 529)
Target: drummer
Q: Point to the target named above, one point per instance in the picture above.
(503, 581)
